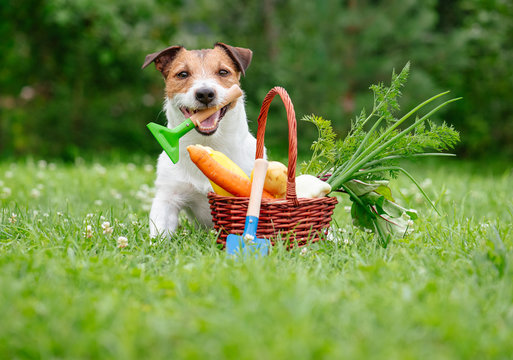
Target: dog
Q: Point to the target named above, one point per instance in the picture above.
(196, 80)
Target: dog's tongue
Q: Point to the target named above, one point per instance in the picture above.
(210, 122)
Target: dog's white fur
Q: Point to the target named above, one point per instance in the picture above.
(182, 186)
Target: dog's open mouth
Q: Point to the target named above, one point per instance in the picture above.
(210, 124)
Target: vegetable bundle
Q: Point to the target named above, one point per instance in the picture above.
(362, 163)
(228, 179)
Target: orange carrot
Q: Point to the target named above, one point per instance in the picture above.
(231, 182)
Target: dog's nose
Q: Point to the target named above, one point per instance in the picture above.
(205, 95)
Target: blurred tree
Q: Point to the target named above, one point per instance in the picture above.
(326, 54)
(71, 70)
(70, 77)
(474, 59)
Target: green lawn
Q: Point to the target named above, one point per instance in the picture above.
(69, 291)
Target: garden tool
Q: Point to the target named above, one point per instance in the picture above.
(169, 138)
(248, 242)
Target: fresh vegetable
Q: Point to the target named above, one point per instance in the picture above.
(391, 219)
(228, 180)
(308, 186)
(373, 155)
(275, 179)
(225, 161)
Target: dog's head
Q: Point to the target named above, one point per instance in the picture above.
(199, 79)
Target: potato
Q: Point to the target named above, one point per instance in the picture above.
(275, 179)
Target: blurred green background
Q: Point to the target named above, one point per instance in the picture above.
(71, 82)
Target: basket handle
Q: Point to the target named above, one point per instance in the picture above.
(291, 118)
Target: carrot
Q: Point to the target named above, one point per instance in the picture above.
(228, 180)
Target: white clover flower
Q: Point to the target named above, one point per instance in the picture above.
(89, 232)
(100, 170)
(42, 164)
(148, 167)
(133, 219)
(249, 238)
(331, 236)
(303, 251)
(6, 192)
(98, 202)
(9, 174)
(130, 167)
(145, 193)
(35, 193)
(122, 242)
(107, 229)
(116, 194)
(13, 219)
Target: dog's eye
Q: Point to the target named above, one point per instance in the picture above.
(182, 74)
(223, 72)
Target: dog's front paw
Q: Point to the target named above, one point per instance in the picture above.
(163, 219)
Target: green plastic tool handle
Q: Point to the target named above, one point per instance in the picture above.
(169, 138)
(184, 127)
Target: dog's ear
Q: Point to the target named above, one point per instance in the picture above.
(240, 56)
(162, 59)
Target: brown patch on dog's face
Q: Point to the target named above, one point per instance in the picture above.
(198, 79)
(189, 66)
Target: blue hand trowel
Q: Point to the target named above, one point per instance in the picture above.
(169, 138)
(248, 243)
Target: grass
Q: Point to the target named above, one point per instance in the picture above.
(444, 292)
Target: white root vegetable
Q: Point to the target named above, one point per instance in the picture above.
(308, 186)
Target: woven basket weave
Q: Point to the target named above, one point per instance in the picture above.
(298, 220)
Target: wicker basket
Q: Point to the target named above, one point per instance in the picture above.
(298, 221)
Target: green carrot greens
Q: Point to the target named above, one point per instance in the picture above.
(360, 162)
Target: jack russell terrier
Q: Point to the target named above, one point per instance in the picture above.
(196, 80)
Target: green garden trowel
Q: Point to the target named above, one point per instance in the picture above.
(169, 138)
